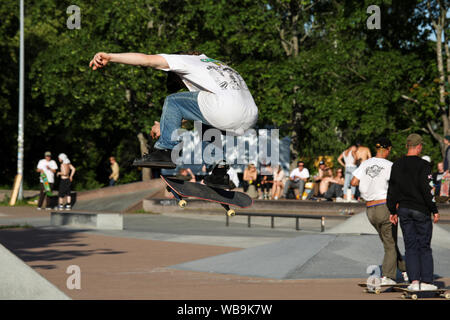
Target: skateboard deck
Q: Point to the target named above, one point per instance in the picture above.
(445, 186)
(414, 295)
(185, 189)
(47, 189)
(373, 288)
(16, 186)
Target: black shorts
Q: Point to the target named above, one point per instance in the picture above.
(64, 188)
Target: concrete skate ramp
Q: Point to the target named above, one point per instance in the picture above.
(344, 252)
(19, 282)
(115, 203)
(359, 224)
(121, 198)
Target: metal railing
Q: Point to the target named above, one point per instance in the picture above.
(272, 216)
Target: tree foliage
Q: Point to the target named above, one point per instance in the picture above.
(315, 70)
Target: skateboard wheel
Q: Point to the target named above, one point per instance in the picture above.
(414, 297)
(231, 213)
(447, 296)
(377, 291)
(182, 203)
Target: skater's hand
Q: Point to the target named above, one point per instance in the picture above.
(155, 133)
(100, 60)
(436, 217)
(393, 219)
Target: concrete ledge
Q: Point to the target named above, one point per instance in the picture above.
(280, 206)
(20, 282)
(91, 220)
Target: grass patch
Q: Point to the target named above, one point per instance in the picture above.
(142, 211)
(15, 226)
(29, 202)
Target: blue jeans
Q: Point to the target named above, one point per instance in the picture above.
(177, 107)
(417, 229)
(347, 178)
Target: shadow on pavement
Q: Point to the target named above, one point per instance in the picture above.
(44, 246)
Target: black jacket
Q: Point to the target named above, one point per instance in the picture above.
(410, 186)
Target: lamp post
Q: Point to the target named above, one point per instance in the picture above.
(20, 135)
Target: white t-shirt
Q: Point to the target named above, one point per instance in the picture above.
(45, 165)
(373, 175)
(296, 174)
(233, 176)
(224, 98)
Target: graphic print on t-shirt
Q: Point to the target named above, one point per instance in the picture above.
(226, 78)
(373, 171)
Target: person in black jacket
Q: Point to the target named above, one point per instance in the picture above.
(410, 198)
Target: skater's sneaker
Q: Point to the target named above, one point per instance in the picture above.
(427, 286)
(414, 287)
(216, 181)
(39, 208)
(68, 207)
(387, 281)
(158, 158)
(219, 177)
(60, 207)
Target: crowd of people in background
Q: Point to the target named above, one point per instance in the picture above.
(328, 183)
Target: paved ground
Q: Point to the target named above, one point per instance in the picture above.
(142, 262)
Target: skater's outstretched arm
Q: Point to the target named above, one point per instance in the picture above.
(101, 59)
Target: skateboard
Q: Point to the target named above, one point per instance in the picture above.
(185, 189)
(377, 289)
(47, 189)
(445, 186)
(16, 186)
(414, 295)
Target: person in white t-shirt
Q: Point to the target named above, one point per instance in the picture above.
(218, 96)
(297, 180)
(49, 167)
(372, 176)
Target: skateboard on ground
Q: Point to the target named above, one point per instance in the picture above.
(377, 288)
(47, 189)
(185, 189)
(414, 295)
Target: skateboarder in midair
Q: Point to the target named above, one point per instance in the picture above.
(218, 96)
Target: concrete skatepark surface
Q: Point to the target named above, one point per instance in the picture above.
(194, 256)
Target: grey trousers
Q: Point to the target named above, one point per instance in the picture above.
(379, 218)
(300, 185)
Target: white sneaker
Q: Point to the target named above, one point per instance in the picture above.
(388, 281)
(339, 199)
(414, 287)
(427, 286)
